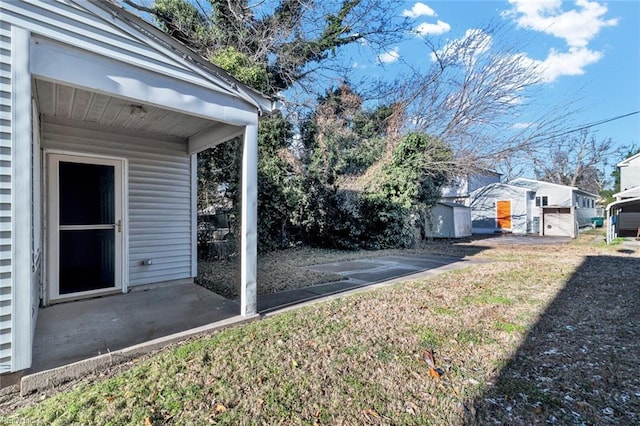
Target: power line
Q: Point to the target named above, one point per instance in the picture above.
(586, 126)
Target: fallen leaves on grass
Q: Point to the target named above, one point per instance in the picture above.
(219, 408)
(435, 372)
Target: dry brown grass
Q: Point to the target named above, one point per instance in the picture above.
(543, 334)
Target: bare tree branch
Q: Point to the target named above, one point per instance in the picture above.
(578, 160)
(472, 97)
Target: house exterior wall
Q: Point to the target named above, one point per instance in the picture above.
(630, 173)
(457, 188)
(478, 180)
(483, 208)
(584, 208)
(460, 187)
(6, 279)
(52, 40)
(159, 203)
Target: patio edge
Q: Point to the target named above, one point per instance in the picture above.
(56, 376)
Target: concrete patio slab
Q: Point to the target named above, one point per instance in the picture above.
(72, 331)
(383, 273)
(363, 273)
(387, 267)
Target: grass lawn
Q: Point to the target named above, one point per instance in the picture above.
(541, 334)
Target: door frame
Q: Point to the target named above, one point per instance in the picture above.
(52, 223)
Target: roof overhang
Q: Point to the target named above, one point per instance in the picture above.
(629, 193)
(635, 200)
(64, 64)
(626, 161)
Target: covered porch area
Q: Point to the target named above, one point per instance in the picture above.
(105, 241)
(74, 331)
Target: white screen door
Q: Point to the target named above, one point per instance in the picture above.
(85, 225)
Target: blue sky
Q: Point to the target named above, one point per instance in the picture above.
(590, 51)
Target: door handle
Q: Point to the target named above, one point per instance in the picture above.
(119, 225)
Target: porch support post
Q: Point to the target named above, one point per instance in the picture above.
(21, 201)
(249, 222)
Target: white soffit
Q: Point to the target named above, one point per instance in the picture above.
(79, 105)
(59, 63)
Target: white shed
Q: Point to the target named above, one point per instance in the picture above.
(449, 220)
(102, 116)
(500, 207)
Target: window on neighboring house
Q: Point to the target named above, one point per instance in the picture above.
(542, 201)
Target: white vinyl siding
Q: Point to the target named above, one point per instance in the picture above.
(630, 173)
(159, 223)
(5, 199)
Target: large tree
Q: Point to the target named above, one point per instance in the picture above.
(288, 39)
(578, 159)
(271, 46)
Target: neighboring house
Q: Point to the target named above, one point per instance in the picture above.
(461, 187)
(449, 220)
(552, 195)
(102, 117)
(629, 172)
(524, 206)
(624, 214)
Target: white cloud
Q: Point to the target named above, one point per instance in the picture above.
(577, 27)
(390, 56)
(440, 27)
(466, 49)
(572, 62)
(418, 9)
(522, 126)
